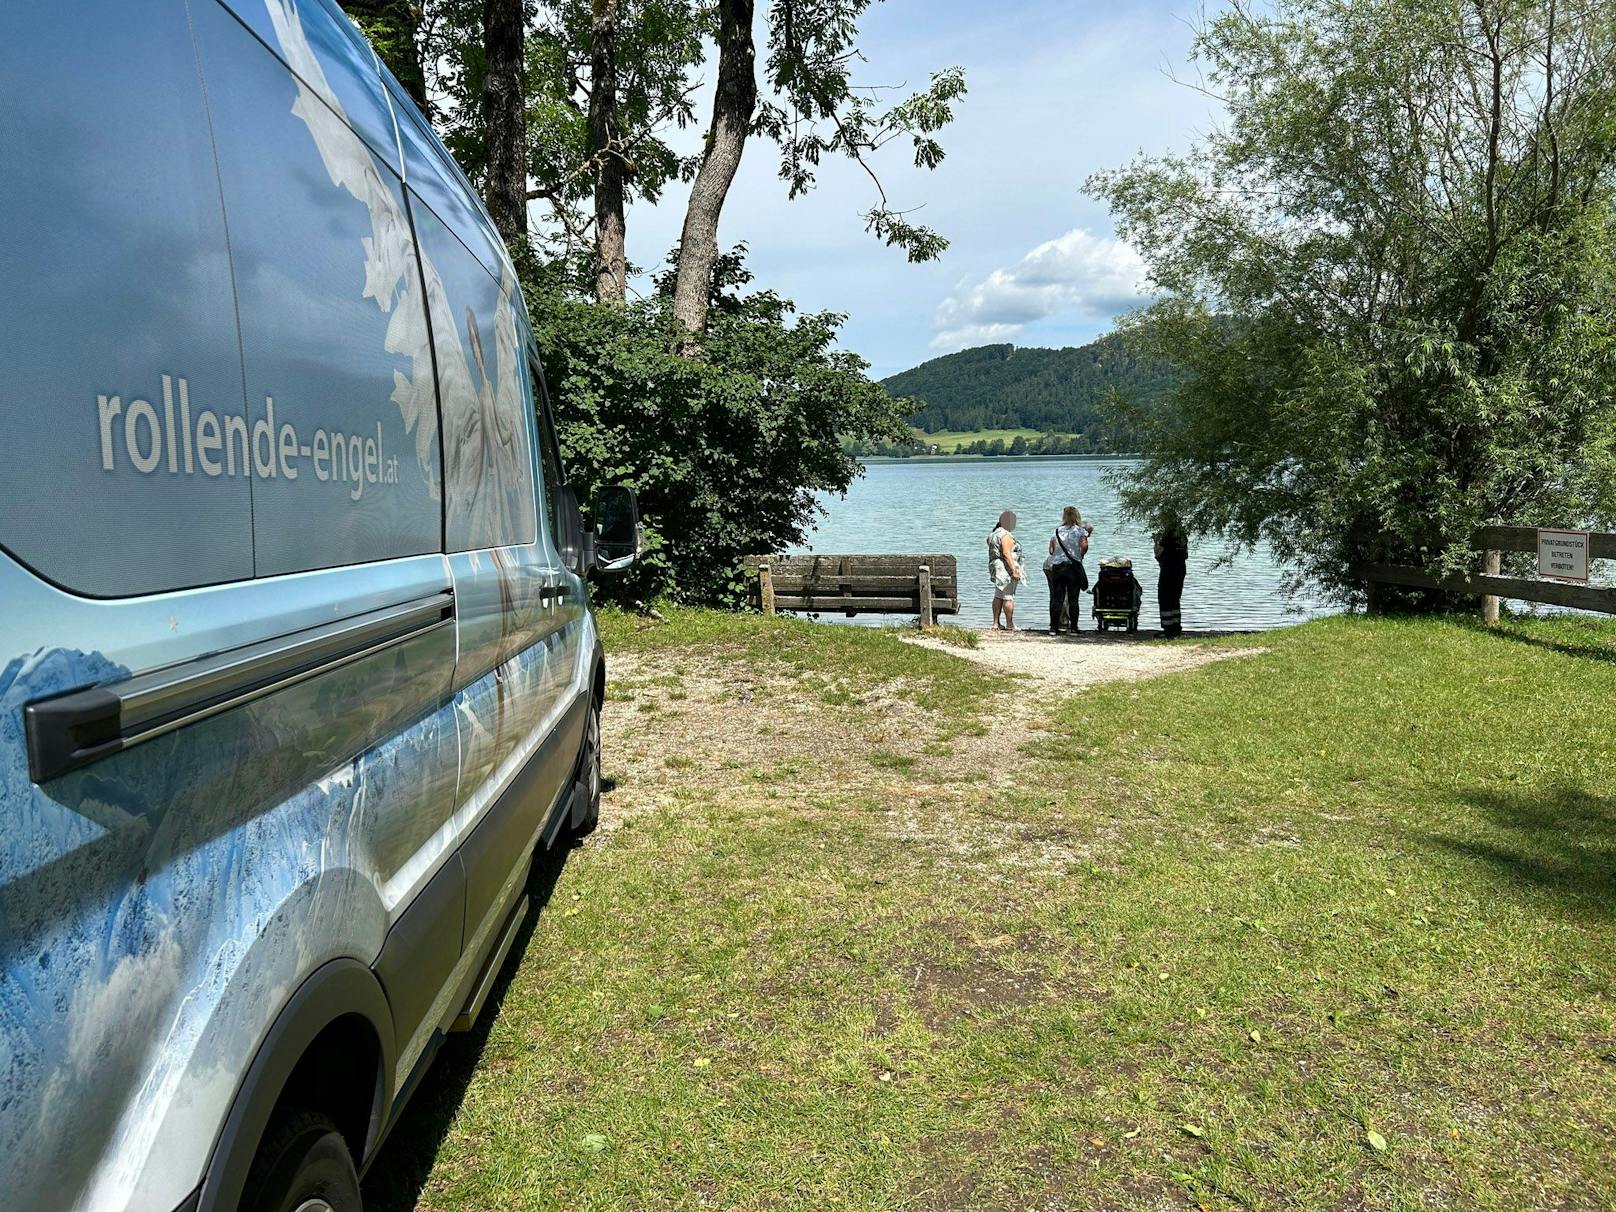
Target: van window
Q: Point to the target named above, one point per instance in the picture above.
(122, 370)
(487, 456)
(552, 475)
(340, 407)
(438, 181)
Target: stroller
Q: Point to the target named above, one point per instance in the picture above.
(1117, 595)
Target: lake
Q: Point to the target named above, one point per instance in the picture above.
(949, 506)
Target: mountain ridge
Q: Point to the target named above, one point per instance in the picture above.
(1007, 387)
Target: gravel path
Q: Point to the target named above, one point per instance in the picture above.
(1086, 658)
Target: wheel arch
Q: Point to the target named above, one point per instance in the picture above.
(337, 1022)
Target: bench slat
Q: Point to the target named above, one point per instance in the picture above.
(836, 604)
(890, 564)
(784, 581)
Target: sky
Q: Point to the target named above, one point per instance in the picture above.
(1058, 89)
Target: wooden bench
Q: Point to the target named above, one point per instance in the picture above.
(922, 585)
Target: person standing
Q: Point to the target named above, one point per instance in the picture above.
(1067, 576)
(1173, 555)
(1004, 566)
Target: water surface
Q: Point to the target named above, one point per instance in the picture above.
(913, 506)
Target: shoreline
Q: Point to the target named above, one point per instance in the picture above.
(1004, 458)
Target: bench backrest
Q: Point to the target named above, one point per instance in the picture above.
(855, 584)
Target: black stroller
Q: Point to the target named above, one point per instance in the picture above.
(1117, 596)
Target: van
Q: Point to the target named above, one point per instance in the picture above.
(297, 663)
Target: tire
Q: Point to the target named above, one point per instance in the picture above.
(585, 819)
(303, 1165)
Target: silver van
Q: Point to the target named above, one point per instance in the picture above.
(297, 665)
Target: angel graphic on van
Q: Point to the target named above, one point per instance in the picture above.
(490, 501)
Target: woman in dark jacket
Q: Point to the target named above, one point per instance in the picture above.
(1173, 555)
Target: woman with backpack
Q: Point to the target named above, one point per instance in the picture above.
(1067, 576)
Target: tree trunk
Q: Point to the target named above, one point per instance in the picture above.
(606, 153)
(505, 121)
(733, 104)
(394, 29)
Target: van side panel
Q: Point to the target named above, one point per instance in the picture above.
(159, 906)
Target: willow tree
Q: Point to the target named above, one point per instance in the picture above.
(1389, 277)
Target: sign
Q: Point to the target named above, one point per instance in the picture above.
(1562, 555)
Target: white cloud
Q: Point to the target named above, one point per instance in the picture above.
(1084, 275)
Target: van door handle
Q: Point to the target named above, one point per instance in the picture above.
(73, 729)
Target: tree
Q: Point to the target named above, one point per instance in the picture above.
(609, 79)
(505, 121)
(734, 102)
(728, 452)
(815, 109)
(604, 82)
(605, 149)
(1389, 278)
(394, 28)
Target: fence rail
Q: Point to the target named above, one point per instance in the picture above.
(1524, 538)
(1490, 542)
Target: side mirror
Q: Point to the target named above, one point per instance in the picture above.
(618, 534)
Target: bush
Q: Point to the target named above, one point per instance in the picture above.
(727, 449)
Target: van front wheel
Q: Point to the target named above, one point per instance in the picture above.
(302, 1165)
(586, 805)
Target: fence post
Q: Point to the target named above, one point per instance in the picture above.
(766, 588)
(925, 597)
(1491, 565)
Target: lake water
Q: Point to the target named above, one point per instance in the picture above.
(911, 506)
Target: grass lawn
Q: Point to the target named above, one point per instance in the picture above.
(1333, 926)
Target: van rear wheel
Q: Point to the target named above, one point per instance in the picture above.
(303, 1165)
(586, 806)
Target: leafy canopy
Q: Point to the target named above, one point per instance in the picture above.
(1390, 280)
(727, 452)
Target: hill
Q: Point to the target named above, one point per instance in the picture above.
(1001, 387)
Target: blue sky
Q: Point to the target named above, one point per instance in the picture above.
(1058, 89)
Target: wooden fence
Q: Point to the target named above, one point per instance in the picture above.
(1490, 542)
(922, 585)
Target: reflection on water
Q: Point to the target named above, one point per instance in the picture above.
(909, 506)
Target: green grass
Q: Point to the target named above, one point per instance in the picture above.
(1218, 937)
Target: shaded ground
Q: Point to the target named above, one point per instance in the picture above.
(868, 925)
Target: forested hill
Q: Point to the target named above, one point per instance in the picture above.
(1005, 387)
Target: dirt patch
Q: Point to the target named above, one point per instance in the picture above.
(708, 728)
(975, 977)
(1084, 659)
